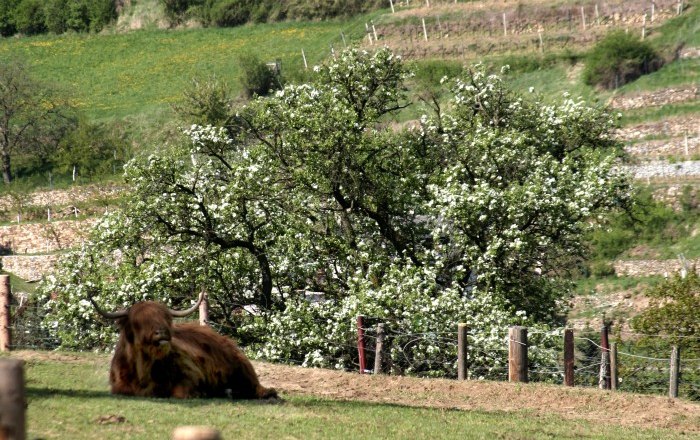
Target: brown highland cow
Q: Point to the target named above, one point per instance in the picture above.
(156, 358)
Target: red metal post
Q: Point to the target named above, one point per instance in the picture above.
(605, 344)
(361, 342)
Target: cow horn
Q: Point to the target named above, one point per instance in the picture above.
(109, 315)
(183, 313)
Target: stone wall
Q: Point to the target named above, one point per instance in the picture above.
(656, 149)
(29, 267)
(678, 126)
(654, 99)
(643, 268)
(33, 238)
(67, 197)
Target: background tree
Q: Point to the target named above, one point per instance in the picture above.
(32, 119)
(673, 310)
(472, 215)
(90, 149)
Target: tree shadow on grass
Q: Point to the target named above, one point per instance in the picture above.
(44, 393)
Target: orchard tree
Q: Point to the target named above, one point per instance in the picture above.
(473, 214)
(32, 119)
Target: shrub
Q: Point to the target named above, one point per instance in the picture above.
(232, 12)
(618, 59)
(421, 324)
(7, 22)
(257, 79)
(56, 16)
(91, 149)
(30, 17)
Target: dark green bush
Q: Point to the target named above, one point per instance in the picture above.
(56, 16)
(92, 149)
(30, 17)
(618, 59)
(231, 13)
(649, 222)
(7, 20)
(33, 17)
(257, 79)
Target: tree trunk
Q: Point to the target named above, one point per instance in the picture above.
(6, 168)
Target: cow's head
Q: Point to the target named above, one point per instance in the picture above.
(147, 326)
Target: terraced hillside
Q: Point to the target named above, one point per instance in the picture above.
(661, 112)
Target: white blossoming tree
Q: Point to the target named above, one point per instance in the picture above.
(471, 215)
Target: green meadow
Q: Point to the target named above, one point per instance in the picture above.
(111, 76)
(70, 400)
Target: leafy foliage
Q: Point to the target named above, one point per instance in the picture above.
(469, 215)
(257, 78)
(648, 222)
(206, 102)
(91, 150)
(618, 59)
(33, 17)
(673, 310)
(34, 119)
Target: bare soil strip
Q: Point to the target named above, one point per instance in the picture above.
(539, 399)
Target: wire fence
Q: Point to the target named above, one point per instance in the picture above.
(643, 361)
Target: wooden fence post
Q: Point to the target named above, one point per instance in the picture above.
(674, 375)
(569, 357)
(5, 298)
(613, 367)
(204, 310)
(604, 379)
(517, 354)
(379, 351)
(12, 400)
(462, 351)
(361, 342)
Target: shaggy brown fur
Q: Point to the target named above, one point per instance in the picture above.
(155, 358)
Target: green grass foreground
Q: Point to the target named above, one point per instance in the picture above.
(70, 399)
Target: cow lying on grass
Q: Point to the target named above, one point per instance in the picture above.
(156, 358)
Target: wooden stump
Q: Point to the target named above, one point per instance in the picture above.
(12, 400)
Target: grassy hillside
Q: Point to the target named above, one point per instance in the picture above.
(113, 76)
(131, 78)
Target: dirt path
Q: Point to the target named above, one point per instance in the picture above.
(540, 399)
